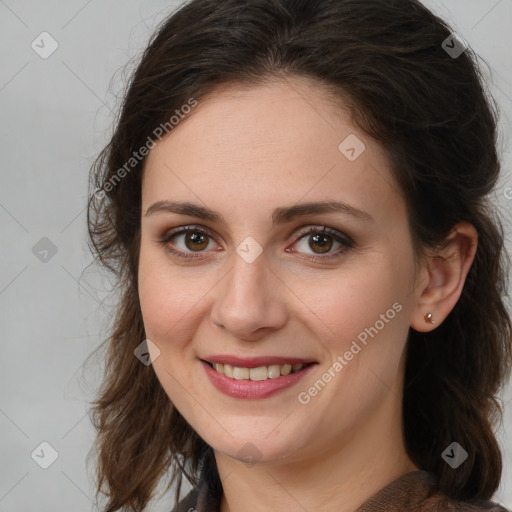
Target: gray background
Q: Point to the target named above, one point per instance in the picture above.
(56, 114)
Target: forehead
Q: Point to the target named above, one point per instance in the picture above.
(277, 113)
(281, 142)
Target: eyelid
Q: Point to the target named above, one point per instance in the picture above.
(192, 228)
(345, 239)
(339, 236)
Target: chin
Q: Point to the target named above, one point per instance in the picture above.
(254, 452)
(253, 447)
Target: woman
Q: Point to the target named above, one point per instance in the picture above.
(294, 203)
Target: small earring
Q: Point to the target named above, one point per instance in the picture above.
(428, 318)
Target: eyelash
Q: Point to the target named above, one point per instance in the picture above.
(341, 238)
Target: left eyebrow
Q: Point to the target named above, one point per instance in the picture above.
(279, 216)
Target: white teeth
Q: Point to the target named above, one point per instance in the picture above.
(228, 370)
(261, 373)
(286, 369)
(240, 373)
(274, 370)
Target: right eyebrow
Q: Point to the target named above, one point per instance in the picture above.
(279, 216)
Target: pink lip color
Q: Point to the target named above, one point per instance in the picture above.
(253, 389)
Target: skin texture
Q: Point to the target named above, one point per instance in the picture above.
(244, 152)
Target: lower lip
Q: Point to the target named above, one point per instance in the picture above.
(253, 389)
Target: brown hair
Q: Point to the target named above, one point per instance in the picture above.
(439, 126)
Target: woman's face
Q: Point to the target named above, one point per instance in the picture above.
(252, 290)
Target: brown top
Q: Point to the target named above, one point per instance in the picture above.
(412, 492)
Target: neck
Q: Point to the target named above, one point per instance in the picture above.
(341, 478)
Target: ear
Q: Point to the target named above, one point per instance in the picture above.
(442, 276)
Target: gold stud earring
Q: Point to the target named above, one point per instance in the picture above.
(428, 318)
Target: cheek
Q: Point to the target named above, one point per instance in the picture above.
(365, 323)
(165, 299)
(347, 303)
(167, 318)
(174, 302)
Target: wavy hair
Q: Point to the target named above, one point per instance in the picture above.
(438, 123)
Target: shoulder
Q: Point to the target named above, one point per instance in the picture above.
(206, 494)
(442, 503)
(203, 498)
(418, 491)
(188, 503)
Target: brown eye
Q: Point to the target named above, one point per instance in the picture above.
(186, 241)
(196, 241)
(322, 241)
(190, 242)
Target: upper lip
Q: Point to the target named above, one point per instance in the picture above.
(255, 362)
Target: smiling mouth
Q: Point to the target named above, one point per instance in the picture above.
(260, 373)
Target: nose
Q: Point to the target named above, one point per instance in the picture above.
(250, 302)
